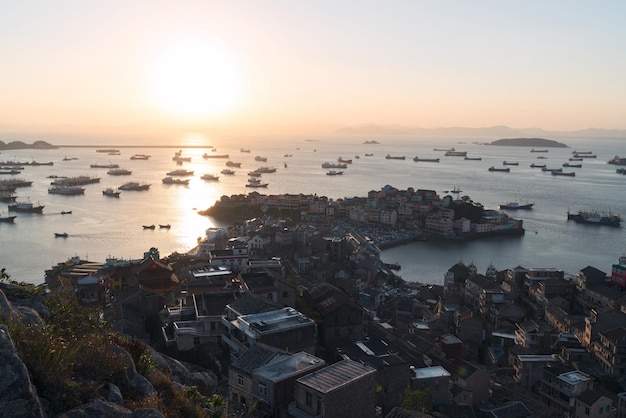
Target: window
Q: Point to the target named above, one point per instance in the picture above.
(308, 399)
(196, 341)
(240, 380)
(586, 411)
(262, 389)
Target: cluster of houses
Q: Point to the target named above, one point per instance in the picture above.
(423, 211)
(304, 340)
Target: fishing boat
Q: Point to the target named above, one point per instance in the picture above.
(261, 159)
(551, 169)
(516, 205)
(135, 186)
(110, 165)
(27, 207)
(394, 157)
(180, 172)
(172, 180)
(140, 157)
(473, 158)
(575, 159)
(76, 181)
(111, 192)
(562, 173)
(66, 190)
(453, 153)
(504, 170)
(230, 163)
(210, 177)
(164, 226)
(66, 212)
(426, 160)
(264, 170)
(572, 165)
(207, 156)
(107, 150)
(60, 235)
(228, 172)
(342, 161)
(533, 165)
(148, 226)
(334, 173)
(538, 150)
(595, 218)
(119, 172)
(246, 150)
(510, 163)
(334, 165)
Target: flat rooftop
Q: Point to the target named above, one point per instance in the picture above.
(430, 372)
(272, 321)
(575, 377)
(537, 357)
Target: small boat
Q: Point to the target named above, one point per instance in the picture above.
(266, 170)
(261, 159)
(551, 169)
(244, 150)
(66, 158)
(148, 226)
(8, 219)
(394, 157)
(60, 235)
(334, 173)
(228, 172)
(621, 171)
(572, 165)
(533, 165)
(341, 160)
(369, 155)
(538, 150)
(288, 155)
(107, 150)
(333, 165)
(504, 170)
(541, 157)
(111, 192)
(579, 155)
(473, 158)
(510, 163)
(140, 157)
(165, 226)
(581, 152)
(516, 205)
(446, 150)
(66, 212)
(575, 159)
(207, 156)
(426, 160)
(110, 165)
(230, 163)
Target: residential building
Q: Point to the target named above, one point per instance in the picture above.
(284, 328)
(471, 383)
(529, 367)
(341, 390)
(561, 385)
(436, 380)
(610, 351)
(593, 405)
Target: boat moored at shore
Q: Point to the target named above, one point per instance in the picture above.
(595, 218)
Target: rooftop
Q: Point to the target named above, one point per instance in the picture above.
(272, 321)
(336, 375)
(430, 372)
(289, 366)
(575, 377)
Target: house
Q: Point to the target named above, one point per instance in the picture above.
(593, 405)
(561, 385)
(153, 275)
(234, 257)
(341, 317)
(533, 334)
(610, 351)
(284, 328)
(436, 380)
(600, 320)
(341, 390)
(471, 383)
(392, 370)
(265, 377)
(529, 367)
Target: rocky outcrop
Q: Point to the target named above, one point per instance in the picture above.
(17, 393)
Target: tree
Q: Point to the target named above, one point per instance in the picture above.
(418, 400)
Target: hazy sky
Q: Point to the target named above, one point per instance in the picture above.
(297, 63)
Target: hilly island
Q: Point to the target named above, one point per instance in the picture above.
(528, 142)
(23, 145)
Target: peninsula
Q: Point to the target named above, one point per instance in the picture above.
(22, 145)
(528, 142)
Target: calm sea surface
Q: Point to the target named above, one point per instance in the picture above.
(100, 227)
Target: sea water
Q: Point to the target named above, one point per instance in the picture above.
(101, 226)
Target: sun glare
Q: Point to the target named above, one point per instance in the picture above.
(195, 79)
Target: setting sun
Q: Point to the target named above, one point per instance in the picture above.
(195, 79)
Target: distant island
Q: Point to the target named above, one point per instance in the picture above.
(23, 145)
(372, 142)
(528, 142)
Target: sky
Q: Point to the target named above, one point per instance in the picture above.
(288, 66)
